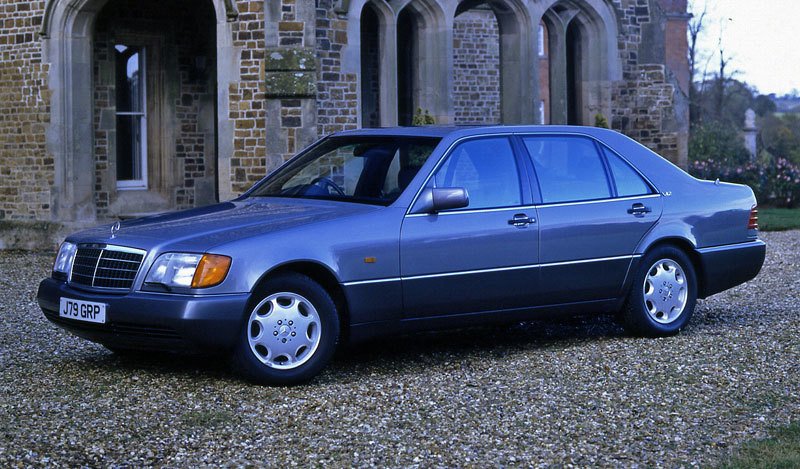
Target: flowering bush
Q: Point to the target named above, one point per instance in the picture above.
(776, 183)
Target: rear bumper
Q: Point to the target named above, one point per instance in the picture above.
(724, 267)
(151, 321)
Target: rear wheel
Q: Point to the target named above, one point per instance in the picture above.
(290, 332)
(663, 294)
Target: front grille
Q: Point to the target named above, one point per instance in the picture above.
(105, 266)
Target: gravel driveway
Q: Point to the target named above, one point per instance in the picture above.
(574, 392)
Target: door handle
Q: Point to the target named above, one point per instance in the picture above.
(521, 220)
(639, 210)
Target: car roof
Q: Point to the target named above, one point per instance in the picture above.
(442, 131)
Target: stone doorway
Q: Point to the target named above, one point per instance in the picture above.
(154, 107)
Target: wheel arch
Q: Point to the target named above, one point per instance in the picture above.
(318, 273)
(688, 248)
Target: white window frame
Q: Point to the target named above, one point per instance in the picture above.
(540, 40)
(139, 184)
(542, 115)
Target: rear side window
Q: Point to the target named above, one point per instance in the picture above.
(487, 169)
(569, 169)
(629, 182)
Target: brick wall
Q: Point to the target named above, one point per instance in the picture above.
(643, 102)
(247, 110)
(476, 68)
(337, 92)
(26, 170)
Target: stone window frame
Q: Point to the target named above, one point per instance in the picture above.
(159, 138)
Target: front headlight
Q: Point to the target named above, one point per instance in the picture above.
(185, 270)
(64, 260)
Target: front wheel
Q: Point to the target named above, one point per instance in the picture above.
(663, 294)
(290, 332)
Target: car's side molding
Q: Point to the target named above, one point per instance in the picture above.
(483, 271)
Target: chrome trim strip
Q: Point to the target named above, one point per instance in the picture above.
(533, 207)
(480, 210)
(367, 282)
(112, 247)
(498, 269)
(586, 261)
(528, 133)
(587, 202)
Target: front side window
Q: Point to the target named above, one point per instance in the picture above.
(569, 169)
(373, 170)
(131, 140)
(487, 169)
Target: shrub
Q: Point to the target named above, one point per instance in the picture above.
(423, 118)
(775, 182)
(717, 141)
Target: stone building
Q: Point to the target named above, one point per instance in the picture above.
(114, 108)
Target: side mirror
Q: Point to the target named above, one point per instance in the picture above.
(436, 199)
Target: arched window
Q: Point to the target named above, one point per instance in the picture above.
(493, 49)
(582, 60)
(408, 64)
(476, 67)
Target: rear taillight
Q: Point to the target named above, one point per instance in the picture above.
(752, 223)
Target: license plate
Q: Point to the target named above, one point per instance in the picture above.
(88, 311)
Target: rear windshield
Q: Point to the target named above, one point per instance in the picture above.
(372, 170)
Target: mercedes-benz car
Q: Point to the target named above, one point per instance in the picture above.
(387, 231)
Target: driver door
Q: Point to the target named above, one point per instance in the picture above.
(480, 258)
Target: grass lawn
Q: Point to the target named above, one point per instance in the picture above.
(779, 219)
(781, 450)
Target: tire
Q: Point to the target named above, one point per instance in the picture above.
(289, 333)
(663, 294)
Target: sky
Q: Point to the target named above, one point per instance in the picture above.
(760, 37)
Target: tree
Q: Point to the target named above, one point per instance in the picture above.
(780, 136)
(764, 106)
(696, 27)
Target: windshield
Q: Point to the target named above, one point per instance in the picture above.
(373, 170)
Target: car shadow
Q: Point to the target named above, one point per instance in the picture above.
(206, 366)
(387, 355)
(394, 353)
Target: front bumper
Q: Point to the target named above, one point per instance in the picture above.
(151, 321)
(724, 267)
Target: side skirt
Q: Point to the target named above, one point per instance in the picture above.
(368, 331)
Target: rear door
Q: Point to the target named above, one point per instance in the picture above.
(594, 210)
(477, 259)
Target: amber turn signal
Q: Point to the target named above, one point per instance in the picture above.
(211, 271)
(752, 223)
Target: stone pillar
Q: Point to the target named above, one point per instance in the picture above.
(557, 35)
(290, 72)
(750, 134)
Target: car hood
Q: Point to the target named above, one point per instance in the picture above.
(202, 228)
